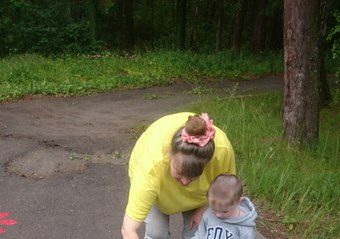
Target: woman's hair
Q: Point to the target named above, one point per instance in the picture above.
(225, 190)
(197, 156)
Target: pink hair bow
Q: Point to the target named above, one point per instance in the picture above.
(201, 140)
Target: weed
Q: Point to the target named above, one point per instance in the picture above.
(303, 185)
(137, 130)
(149, 96)
(117, 154)
(199, 90)
(75, 156)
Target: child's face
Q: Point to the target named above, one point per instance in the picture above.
(225, 212)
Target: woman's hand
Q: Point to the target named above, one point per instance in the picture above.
(130, 228)
(196, 217)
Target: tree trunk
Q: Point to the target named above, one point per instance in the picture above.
(219, 25)
(193, 32)
(238, 27)
(126, 24)
(181, 22)
(208, 13)
(301, 55)
(258, 25)
(92, 7)
(152, 34)
(67, 10)
(324, 91)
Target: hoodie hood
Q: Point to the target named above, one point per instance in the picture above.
(250, 214)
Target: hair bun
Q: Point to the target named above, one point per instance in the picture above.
(195, 126)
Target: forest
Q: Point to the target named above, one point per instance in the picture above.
(78, 26)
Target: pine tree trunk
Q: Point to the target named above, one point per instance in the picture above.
(219, 25)
(301, 98)
(193, 32)
(238, 27)
(126, 24)
(258, 34)
(181, 22)
(208, 13)
(152, 34)
(91, 4)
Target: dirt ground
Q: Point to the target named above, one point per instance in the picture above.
(63, 161)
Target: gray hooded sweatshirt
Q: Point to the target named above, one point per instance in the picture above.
(212, 227)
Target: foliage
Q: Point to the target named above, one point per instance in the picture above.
(24, 75)
(56, 27)
(334, 36)
(42, 26)
(301, 185)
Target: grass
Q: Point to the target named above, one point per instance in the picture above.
(26, 75)
(303, 186)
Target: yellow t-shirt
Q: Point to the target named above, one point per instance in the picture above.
(149, 171)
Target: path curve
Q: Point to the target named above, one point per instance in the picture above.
(63, 160)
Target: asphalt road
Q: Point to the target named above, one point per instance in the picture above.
(63, 161)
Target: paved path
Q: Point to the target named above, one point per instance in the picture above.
(63, 161)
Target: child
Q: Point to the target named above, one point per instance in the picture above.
(229, 214)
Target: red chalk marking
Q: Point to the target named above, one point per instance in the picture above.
(4, 214)
(6, 222)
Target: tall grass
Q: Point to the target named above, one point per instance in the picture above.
(23, 75)
(304, 186)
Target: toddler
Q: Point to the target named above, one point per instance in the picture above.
(229, 215)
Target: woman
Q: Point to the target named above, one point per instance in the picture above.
(170, 170)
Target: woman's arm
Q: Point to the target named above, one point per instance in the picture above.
(130, 228)
(195, 220)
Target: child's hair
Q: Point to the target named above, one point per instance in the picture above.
(225, 190)
(192, 166)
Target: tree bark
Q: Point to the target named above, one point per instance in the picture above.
(151, 4)
(301, 55)
(219, 25)
(92, 7)
(181, 23)
(238, 27)
(193, 32)
(207, 16)
(258, 26)
(126, 24)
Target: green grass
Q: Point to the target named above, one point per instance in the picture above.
(303, 186)
(25, 75)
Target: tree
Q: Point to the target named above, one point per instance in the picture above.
(181, 23)
(151, 4)
(301, 56)
(193, 30)
(125, 11)
(92, 7)
(235, 42)
(220, 9)
(258, 42)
